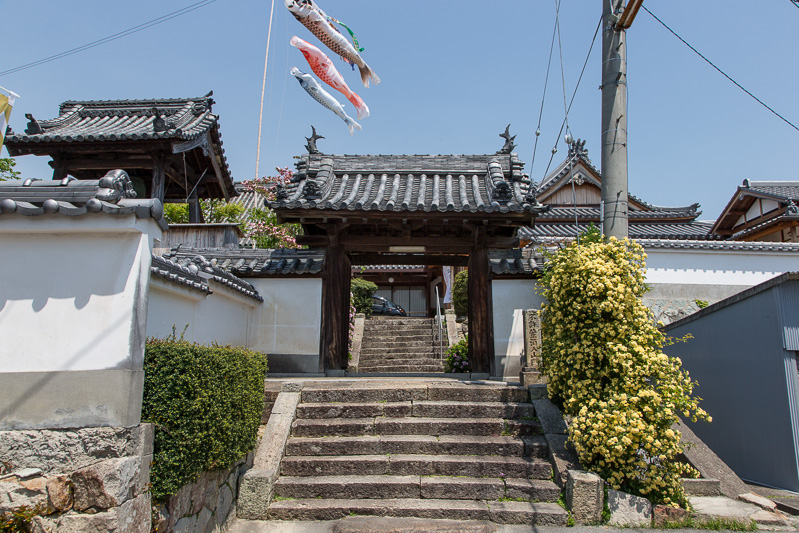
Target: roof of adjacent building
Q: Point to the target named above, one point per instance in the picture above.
(184, 119)
(189, 271)
(546, 231)
(256, 262)
(112, 195)
(179, 275)
(409, 183)
(784, 193)
(183, 123)
(786, 190)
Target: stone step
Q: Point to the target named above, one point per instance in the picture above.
(401, 353)
(398, 338)
(406, 366)
(434, 409)
(499, 512)
(426, 345)
(354, 410)
(350, 427)
(466, 392)
(415, 465)
(355, 392)
(428, 487)
(534, 446)
(395, 320)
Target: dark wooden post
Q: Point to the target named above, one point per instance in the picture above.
(159, 177)
(481, 318)
(195, 212)
(336, 308)
(59, 169)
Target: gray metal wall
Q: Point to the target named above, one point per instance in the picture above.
(748, 381)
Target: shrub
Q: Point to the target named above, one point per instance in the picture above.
(205, 402)
(460, 293)
(458, 357)
(362, 295)
(603, 355)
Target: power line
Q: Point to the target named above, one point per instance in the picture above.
(585, 64)
(544, 96)
(795, 3)
(114, 37)
(721, 71)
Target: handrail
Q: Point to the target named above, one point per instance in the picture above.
(439, 318)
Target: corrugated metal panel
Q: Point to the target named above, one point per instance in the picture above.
(792, 380)
(787, 297)
(737, 357)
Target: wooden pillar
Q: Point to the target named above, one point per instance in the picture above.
(481, 317)
(59, 169)
(336, 308)
(159, 177)
(195, 211)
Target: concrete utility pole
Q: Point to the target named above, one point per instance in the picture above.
(614, 120)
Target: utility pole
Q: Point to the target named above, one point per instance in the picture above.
(614, 120)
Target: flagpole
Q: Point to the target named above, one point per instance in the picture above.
(263, 90)
(12, 94)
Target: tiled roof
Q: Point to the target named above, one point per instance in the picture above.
(401, 183)
(112, 194)
(516, 261)
(198, 265)
(257, 262)
(740, 246)
(788, 190)
(592, 213)
(180, 275)
(543, 231)
(247, 199)
(791, 216)
(118, 120)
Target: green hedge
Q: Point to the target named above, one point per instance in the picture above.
(362, 292)
(205, 402)
(460, 293)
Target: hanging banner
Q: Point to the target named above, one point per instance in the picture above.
(448, 282)
(6, 103)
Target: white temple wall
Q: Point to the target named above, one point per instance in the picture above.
(73, 294)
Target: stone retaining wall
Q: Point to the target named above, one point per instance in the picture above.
(90, 479)
(204, 505)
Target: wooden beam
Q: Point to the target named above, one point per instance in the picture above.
(382, 243)
(109, 164)
(480, 311)
(335, 309)
(217, 168)
(159, 177)
(365, 259)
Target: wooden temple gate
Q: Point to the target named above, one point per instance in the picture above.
(399, 209)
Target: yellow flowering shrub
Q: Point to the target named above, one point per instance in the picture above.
(603, 355)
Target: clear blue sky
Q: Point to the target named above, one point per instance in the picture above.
(454, 74)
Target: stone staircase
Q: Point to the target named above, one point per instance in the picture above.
(437, 450)
(392, 344)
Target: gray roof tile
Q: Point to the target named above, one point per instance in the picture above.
(258, 262)
(112, 194)
(400, 183)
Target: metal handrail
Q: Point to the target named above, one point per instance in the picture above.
(439, 319)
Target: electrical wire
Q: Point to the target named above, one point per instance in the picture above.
(795, 3)
(114, 37)
(719, 70)
(566, 120)
(543, 98)
(585, 64)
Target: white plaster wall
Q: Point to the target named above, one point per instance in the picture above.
(71, 293)
(510, 298)
(290, 319)
(223, 317)
(716, 267)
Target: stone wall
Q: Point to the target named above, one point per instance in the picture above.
(202, 506)
(90, 479)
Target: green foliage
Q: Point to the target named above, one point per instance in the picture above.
(362, 292)
(603, 355)
(460, 293)
(458, 357)
(701, 304)
(206, 404)
(7, 171)
(19, 519)
(176, 213)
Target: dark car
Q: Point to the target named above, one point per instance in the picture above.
(384, 307)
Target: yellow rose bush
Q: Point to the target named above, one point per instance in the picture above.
(603, 355)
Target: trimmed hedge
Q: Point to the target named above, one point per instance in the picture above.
(205, 402)
(460, 293)
(362, 292)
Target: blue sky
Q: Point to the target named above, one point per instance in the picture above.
(454, 75)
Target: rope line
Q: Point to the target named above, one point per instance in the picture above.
(263, 90)
(719, 70)
(114, 37)
(543, 98)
